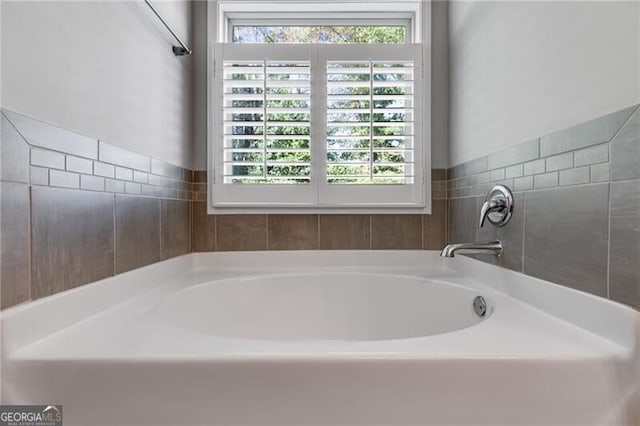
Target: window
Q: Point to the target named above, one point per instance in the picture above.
(314, 110)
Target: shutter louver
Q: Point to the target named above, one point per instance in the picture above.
(266, 119)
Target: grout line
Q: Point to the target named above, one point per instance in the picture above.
(19, 182)
(423, 217)
(524, 230)
(266, 220)
(160, 227)
(318, 239)
(446, 221)
(422, 227)
(191, 227)
(30, 243)
(621, 180)
(609, 203)
(215, 230)
(114, 234)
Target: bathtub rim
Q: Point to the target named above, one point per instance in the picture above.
(28, 322)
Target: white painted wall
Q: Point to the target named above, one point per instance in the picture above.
(519, 70)
(439, 85)
(200, 85)
(103, 68)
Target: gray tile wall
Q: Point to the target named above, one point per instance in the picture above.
(175, 228)
(14, 236)
(72, 239)
(577, 206)
(624, 225)
(576, 221)
(137, 232)
(567, 243)
(70, 200)
(318, 231)
(15, 249)
(75, 209)
(324, 231)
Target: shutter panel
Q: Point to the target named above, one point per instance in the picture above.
(370, 122)
(266, 118)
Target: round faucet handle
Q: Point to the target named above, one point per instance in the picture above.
(497, 207)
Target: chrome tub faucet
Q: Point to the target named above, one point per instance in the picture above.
(494, 247)
(497, 208)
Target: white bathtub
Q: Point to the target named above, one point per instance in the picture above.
(340, 338)
(351, 306)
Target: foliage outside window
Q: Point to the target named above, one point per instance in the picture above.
(319, 34)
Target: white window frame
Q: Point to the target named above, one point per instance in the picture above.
(235, 12)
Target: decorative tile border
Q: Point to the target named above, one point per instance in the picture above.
(65, 159)
(574, 156)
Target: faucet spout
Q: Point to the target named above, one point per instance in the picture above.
(493, 247)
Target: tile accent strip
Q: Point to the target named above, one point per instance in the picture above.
(58, 158)
(546, 165)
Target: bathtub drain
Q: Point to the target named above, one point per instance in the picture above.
(479, 306)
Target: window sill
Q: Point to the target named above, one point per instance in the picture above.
(224, 210)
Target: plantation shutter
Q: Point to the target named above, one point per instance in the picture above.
(263, 154)
(370, 135)
(318, 126)
(373, 139)
(266, 108)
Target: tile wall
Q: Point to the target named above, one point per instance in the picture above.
(75, 209)
(323, 231)
(577, 206)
